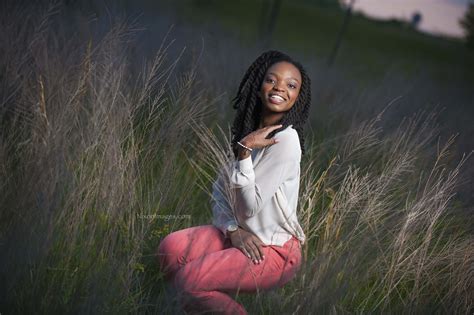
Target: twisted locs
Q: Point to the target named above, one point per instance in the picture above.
(249, 106)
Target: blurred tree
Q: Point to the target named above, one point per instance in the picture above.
(415, 19)
(467, 22)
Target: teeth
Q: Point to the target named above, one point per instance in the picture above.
(277, 97)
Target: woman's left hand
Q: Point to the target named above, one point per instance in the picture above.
(249, 244)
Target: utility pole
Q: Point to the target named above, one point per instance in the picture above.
(270, 27)
(341, 33)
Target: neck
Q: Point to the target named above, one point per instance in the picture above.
(270, 119)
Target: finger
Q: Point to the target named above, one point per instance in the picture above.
(272, 141)
(258, 244)
(239, 245)
(258, 248)
(248, 252)
(254, 252)
(245, 251)
(273, 127)
(269, 129)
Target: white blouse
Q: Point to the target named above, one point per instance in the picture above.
(260, 192)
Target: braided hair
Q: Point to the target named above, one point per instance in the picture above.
(249, 106)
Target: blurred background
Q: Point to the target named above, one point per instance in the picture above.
(362, 55)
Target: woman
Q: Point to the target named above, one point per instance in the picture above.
(255, 240)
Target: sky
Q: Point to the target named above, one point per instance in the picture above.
(438, 16)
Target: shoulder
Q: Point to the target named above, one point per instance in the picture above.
(288, 146)
(288, 134)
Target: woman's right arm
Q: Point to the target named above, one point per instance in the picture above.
(222, 214)
(255, 186)
(247, 242)
(223, 191)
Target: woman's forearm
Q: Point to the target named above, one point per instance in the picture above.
(243, 153)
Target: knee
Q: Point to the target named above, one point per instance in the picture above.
(183, 282)
(192, 279)
(166, 252)
(196, 293)
(188, 295)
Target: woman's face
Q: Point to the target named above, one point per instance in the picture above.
(280, 87)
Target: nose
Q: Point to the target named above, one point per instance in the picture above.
(277, 86)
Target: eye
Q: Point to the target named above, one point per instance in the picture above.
(292, 86)
(269, 80)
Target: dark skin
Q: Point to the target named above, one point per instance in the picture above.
(278, 93)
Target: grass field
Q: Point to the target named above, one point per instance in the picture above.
(379, 63)
(368, 46)
(105, 149)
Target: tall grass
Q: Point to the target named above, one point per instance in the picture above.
(381, 231)
(99, 161)
(88, 151)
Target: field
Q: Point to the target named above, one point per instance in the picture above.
(112, 130)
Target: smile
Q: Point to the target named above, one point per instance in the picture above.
(274, 98)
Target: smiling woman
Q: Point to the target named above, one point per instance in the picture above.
(254, 242)
(279, 91)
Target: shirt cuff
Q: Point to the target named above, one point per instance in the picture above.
(245, 165)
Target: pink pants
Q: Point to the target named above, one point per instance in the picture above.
(205, 268)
